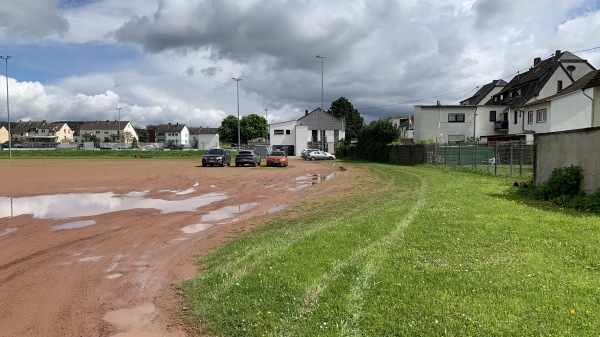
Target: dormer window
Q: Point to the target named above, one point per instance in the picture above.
(559, 86)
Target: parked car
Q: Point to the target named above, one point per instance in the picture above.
(218, 157)
(305, 152)
(316, 155)
(247, 157)
(277, 158)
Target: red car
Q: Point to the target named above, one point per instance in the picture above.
(277, 158)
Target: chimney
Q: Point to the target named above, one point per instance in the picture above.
(557, 54)
(537, 61)
(305, 112)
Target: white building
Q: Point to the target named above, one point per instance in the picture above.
(204, 138)
(175, 134)
(499, 110)
(317, 129)
(106, 132)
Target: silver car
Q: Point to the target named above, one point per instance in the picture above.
(316, 155)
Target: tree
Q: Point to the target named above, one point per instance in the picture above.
(374, 138)
(95, 140)
(343, 109)
(228, 129)
(253, 126)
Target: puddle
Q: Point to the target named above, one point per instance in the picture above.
(227, 212)
(76, 224)
(131, 320)
(90, 259)
(8, 231)
(307, 180)
(191, 229)
(275, 209)
(61, 206)
(114, 276)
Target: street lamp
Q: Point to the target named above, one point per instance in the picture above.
(237, 85)
(267, 120)
(119, 126)
(7, 108)
(321, 114)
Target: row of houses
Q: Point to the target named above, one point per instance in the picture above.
(556, 94)
(44, 134)
(316, 129)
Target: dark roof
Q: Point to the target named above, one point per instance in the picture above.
(531, 82)
(27, 126)
(170, 127)
(483, 92)
(208, 131)
(594, 81)
(103, 125)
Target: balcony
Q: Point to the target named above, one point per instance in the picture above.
(501, 126)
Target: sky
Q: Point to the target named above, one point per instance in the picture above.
(173, 61)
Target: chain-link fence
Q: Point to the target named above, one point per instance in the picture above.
(514, 158)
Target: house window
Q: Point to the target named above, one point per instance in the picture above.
(529, 117)
(559, 86)
(492, 116)
(519, 92)
(515, 117)
(278, 132)
(287, 132)
(315, 136)
(541, 116)
(456, 118)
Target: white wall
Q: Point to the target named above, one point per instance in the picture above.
(550, 88)
(431, 122)
(208, 141)
(573, 111)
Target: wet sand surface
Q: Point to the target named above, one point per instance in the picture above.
(97, 247)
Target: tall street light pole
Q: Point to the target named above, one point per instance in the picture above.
(237, 86)
(267, 120)
(321, 114)
(119, 126)
(8, 108)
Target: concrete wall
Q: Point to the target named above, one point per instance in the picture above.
(566, 148)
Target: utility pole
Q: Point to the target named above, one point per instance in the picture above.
(321, 114)
(267, 120)
(237, 85)
(119, 126)
(8, 108)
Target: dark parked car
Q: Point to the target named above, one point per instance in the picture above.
(219, 157)
(247, 157)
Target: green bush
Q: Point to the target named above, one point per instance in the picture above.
(562, 181)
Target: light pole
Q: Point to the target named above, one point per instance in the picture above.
(8, 108)
(320, 115)
(119, 126)
(237, 85)
(267, 120)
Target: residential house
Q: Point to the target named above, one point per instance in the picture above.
(41, 134)
(3, 133)
(497, 111)
(204, 138)
(316, 129)
(404, 125)
(575, 107)
(173, 134)
(106, 132)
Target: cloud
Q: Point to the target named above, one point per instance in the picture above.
(21, 20)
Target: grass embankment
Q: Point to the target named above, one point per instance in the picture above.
(416, 251)
(100, 154)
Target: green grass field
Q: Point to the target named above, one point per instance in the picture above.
(415, 251)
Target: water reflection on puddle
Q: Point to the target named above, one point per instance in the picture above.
(7, 231)
(62, 206)
(196, 228)
(228, 212)
(75, 224)
(306, 180)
